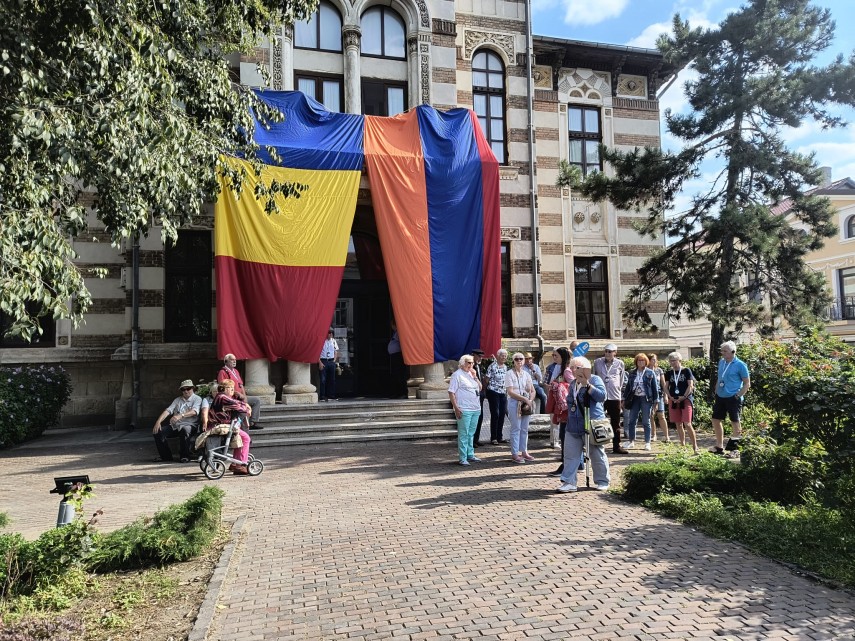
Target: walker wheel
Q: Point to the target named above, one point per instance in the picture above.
(254, 467)
(215, 470)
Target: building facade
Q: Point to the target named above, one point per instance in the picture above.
(566, 262)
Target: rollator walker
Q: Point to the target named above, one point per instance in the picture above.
(218, 454)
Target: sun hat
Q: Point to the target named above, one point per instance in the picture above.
(186, 383)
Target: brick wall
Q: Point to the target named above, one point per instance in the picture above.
(521, 266)
(550, 220)
(552, 249)
(638, 250)
(442, 74)
(554, 307)
(636, 140)
(552, 278)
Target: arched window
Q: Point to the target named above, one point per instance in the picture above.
(322, 31)
(488, 94)
(383, 33)
(850, 227)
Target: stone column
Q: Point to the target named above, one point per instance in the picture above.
(351, 36)
(299, 389)
(434, 385)
(286, 39)
(257, 381)
(413, 71)
(417, 377)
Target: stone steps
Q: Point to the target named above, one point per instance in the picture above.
(359, 420)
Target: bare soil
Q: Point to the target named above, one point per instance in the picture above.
(147, 605)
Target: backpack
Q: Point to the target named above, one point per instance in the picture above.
(556, 402)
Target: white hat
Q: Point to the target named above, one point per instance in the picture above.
(611, 347)
(186, 383)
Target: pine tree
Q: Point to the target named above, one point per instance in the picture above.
(755, 76)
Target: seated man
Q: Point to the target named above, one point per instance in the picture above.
(180, 419)
(229, 372)
(225, 408)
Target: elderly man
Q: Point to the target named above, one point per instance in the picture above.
(732, 384)
(497, 396)
(180, 419)
(229, 373)
(611, 370)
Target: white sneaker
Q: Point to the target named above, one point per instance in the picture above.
(464, 462)
(566, 487)
(647, 446)
(602, 487)
(629, 445)
(474, 459)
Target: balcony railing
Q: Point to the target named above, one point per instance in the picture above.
(842, 308)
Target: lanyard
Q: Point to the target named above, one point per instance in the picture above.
(724, 373)
(675, 377)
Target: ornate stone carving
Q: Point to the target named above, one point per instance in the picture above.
(276, 71)
(579, 217)
(542, 77)
(635, 86)
(351, 37)
(503, 41)
(584, 83)
(424, 19)
(511, 233)
(412, 45)
(424, 74)
(595, 216)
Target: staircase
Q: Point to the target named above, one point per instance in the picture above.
(357, 420)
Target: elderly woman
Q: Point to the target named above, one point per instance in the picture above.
(496, 396)
(229, 373)
(658, 417)
(520, 390)
(464, 390)
(679, 395)
(224, 408)
(588, 391)
(639, 396)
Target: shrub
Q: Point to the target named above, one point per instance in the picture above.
(178, 533)
(55, 629)
(790, 473)
(812, 381)
(32, 398)
(678, 473)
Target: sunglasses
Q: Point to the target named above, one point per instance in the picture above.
(518, 359)
(468, 362)
(184, 389)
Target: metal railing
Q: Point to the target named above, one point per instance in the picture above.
(842, 308)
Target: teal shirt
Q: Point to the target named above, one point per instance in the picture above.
(731, 375)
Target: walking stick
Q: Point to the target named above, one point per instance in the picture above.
(587, 447)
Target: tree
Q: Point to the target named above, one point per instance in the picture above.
(129, 101)
(755, 76)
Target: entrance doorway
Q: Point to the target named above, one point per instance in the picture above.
(363, 316)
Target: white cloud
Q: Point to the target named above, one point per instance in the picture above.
(585, 12)
(651, 33)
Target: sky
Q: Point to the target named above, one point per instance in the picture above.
(638, 23)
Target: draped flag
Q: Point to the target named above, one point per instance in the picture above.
(278, 275)
(435, 190)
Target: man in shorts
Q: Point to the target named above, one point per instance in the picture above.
(731, 385)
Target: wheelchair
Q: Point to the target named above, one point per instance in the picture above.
(217, 455)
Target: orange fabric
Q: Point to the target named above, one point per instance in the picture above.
(402, 224)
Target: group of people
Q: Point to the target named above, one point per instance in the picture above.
(577, 390)
(189, 414)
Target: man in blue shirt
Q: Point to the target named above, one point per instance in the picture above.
(731, 385)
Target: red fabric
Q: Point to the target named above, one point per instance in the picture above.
(491, 294)
(224, 408)
(233, 375)
(262, 322)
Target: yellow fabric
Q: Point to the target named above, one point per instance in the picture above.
(312, 230)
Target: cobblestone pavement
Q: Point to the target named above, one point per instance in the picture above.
(396, 541)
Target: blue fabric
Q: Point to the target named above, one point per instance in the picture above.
(465, 431)
(641, 409)
(456, 229)
(732, 376)
(309, 136)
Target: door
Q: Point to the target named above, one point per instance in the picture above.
(368, 338)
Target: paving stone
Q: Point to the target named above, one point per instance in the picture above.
(392, 541)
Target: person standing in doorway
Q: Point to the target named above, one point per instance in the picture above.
(732, 383)
(399, 372)
(327, 365)
(609, 368)
(478, 356)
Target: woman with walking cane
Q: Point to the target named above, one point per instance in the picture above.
(585, 403)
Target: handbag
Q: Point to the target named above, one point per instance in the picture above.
(601, 430)
(527, 409)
